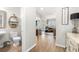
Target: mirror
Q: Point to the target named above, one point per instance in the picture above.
(13, 21)
(2, 19)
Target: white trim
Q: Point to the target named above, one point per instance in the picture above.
(60, 45)
(30, 48)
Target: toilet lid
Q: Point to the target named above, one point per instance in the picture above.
(16, 38)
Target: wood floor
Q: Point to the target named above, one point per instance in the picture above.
(12, 48)
(46, 43)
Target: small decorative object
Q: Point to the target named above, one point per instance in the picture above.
(13, 21)
(65, 16)
(7, 43)
(74, 30)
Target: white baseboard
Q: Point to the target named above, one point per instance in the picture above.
(30, 48)
(59, 45)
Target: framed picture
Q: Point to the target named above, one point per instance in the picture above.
(65, 16)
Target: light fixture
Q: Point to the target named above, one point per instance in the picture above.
(75, 18)
(41, 8)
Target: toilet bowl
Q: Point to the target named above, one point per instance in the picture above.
(15, 38)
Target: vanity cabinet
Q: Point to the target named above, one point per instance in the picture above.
(72, 42)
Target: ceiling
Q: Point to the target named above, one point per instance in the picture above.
(46, 11)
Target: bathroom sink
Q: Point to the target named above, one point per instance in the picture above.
(3, 31)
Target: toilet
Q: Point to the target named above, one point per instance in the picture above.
(15, 38)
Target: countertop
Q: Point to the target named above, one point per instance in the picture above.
(74, 36)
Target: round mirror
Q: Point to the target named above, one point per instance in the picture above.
(13, 21)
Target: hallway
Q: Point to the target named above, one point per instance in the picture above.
(46, 43)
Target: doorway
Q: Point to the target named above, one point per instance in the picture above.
(46, 30)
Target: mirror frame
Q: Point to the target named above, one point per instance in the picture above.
(13, 21)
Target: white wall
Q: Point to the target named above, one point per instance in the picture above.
(61, 30)
(28, 27)
(17, 12)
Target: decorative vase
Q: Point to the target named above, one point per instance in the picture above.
(74, 30)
